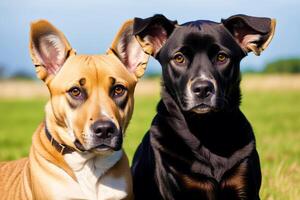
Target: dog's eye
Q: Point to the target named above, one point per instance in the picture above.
(118, 90)
(75, 92)
(179, 58)
(222, 58)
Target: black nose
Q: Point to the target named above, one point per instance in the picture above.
(104, 129)
(203, 89)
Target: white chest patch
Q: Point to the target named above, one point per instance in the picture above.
(89, 168)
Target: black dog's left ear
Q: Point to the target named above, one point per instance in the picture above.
(153, 32)
(251, 33)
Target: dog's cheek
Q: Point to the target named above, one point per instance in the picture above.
(122, 102)
(232, 77)
(174, 72)
(169, 75)
(225, 78)
(58, 107)
(126, 114)
(232, 69)
(175, 85)
(80, 121)
(77, 122)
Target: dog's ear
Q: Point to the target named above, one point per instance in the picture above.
(153, 32)
(127, 49)
(252, 33)
(49, 49)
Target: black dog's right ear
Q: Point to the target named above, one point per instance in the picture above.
(153, 32)
(251, 33)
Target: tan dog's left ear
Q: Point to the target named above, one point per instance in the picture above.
(128, 50)
(49, 49)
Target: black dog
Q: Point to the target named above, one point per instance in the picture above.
(200, 145)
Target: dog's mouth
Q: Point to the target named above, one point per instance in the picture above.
(98, 148)
(202, 109)
(106, 147)
(112, 144)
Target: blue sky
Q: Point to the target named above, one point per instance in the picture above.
(90, 25)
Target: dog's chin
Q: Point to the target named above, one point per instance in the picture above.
(106, 148)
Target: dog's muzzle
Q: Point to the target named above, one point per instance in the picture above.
(106, 135)
(203, 92)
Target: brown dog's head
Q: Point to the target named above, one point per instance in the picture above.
(91, 96)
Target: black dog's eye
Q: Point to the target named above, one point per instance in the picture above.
(118, 91)
(75, 92)
(179, 58)
(222, 58)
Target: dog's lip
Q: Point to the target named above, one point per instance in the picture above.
(102, 147)
(78, 145)
(202, 108)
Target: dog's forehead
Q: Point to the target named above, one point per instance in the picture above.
(96, 67)
(200, 35)
(195, 30)
(201, 27)
(200, 23)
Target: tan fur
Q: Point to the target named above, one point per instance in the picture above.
(237, 181)
(46, 174)
(16, 175)
(271, 35)
(118, 171)
(193, 184)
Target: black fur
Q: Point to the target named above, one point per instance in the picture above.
(198, 147)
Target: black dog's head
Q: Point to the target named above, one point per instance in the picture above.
(200, 59)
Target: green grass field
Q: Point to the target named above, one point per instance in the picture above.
(275, 116)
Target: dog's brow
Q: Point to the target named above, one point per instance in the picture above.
(116, 81)
(82, 81)
(113, 80)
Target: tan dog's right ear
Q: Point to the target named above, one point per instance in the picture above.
(128, 50)
(49, 49)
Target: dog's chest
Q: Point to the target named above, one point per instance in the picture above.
(218, 176)
(91, 180)
(232, 186)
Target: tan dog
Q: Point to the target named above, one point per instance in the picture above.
(76, 152)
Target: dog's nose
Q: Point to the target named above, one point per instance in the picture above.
(203, 89)
(104, 129)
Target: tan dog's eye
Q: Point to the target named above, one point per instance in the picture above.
(75, 92)
(221, 58)
(179, 58)
(118, 90)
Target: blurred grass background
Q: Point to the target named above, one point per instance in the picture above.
(270, 103)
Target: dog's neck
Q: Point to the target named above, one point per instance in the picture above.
(202, 141)
(86, 168)
(43, 146)
(89, 168)
(220, 132)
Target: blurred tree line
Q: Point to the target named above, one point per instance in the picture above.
(291, 65)
(19, 74)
